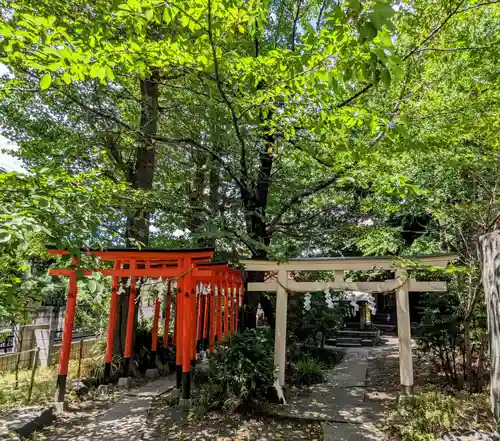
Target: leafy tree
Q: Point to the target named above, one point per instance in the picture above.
(276, 128)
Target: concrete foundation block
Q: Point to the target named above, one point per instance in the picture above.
(125, 382)
(20, 423)
(61, 406)
(152, 374)
(103, 389)
(185, 403)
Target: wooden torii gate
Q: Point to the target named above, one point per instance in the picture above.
(401, 284)
(207, 303)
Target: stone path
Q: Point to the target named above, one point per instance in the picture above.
(340, 402)
(125, 420)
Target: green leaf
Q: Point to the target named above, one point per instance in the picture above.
(385, 38)
(5, 236)
(355, 5)
(92, 286)
(398, 72)
(386, 77)
(45, 81)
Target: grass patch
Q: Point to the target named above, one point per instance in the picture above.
(423, 416)
(44, 386)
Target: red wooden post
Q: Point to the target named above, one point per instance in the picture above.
(238, 294)
(200, 311)
(234, 309)
(129, 338)
(67, 338)
(187, 332)
(166, 324)
(176, 319)
(213, 324)
(219, 308)
(205, 314)
(192, 321)
(113, 307)
(226, 305)
(179, 339)
(154, 341)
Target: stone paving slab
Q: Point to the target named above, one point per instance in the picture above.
(354, 414)
(352, 370)
(126, 420)
(25, 421)
(350, 432)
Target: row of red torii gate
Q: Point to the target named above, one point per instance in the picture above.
(209, 296)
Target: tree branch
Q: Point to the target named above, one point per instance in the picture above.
(299, 197)
(429, 37)
(294, 27)
(320, 15)
(478, 5)
(196, 144)
(234, 116)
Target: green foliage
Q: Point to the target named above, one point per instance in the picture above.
(309, 370)
(142, 346)
(240, 373)
(439, 334)
(315, 326)
(424, 416)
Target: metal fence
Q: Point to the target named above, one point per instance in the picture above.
(23, 380)
(7, 344)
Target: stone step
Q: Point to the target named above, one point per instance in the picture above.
(348, 339)
(348, 333)
(386, 328)
(348, 345)
(368, 342)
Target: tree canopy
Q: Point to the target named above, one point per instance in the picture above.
(270, 128)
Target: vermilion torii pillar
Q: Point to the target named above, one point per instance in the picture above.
(226, 305)
(67, 338)
(168, 306)
(113, 307)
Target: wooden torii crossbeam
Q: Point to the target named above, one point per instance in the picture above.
(206, 305)
(402, 285)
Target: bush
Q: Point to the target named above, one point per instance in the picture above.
(422, 417)
(240, 373)
(329, 358)
(142, 347)
(309, 371)
(439, 334)
(316, 325)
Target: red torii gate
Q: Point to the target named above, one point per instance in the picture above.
(207, 303)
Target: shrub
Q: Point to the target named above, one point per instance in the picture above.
(240, 373)
(328, 357)
(313, 326)
(309, 370)
(142, 347)
(422, 417)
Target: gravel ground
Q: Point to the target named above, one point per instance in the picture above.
(171, 424)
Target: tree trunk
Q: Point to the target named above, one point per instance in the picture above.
(214, 185)
(195, 189)
(490, 265)
(141, 177)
